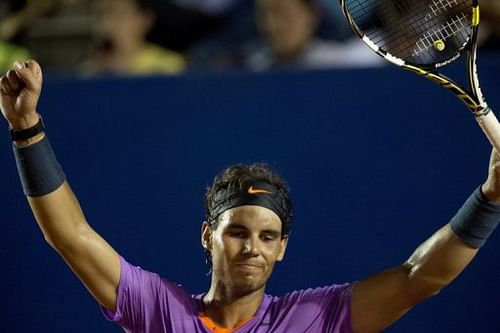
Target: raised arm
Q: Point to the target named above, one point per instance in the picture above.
(381, 299)
(54, 205)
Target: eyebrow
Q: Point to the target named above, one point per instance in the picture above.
(236, 226)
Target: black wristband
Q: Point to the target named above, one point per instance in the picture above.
(27, 133)
(476, 219)
(39, 171)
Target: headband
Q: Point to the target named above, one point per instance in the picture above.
(255, 193)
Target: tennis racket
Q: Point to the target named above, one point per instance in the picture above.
(422, 36)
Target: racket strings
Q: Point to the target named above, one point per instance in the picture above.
(437, 7)
(422, 32)
(452, 27)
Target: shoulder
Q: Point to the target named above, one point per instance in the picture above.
(149, 283)
(321, 294)
(147, 302)
(313, 299)
(325, 309)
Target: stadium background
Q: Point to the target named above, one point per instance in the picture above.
(376, 159)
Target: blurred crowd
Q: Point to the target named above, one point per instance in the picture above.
(140, 37)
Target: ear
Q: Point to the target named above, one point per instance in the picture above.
(206, 236)
(283, 245)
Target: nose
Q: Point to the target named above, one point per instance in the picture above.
(250, 248)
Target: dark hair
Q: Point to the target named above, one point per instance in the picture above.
(236, 176)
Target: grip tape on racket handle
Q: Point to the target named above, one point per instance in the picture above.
(491, 128)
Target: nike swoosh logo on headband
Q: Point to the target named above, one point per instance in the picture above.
(252, 190)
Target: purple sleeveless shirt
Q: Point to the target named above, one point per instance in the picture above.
(149, 304)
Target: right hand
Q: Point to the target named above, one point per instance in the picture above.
(19, 93)
(491, 188)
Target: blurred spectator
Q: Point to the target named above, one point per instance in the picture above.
(288, 28)
(16, 17)
(282, 34)
(22, 14)
(122, 27)
(210, 7)
(9, 53)
(180, 24)
(489, 32)
(225, 46)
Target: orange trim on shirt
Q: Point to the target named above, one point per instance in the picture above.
(216, 329)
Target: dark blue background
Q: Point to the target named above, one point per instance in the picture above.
(376, 159)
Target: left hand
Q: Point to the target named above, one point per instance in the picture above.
(491, 188)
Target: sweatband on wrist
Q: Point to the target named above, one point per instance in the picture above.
(38, 168)
(27, 133)
(476, 220)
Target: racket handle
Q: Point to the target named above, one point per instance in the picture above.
(490, 126)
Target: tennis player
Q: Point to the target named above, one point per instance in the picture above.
(248, 216)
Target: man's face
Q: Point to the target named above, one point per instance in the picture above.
(287, 24)
(245, 246)
(122, 20)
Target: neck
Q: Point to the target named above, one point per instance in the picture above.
(227, 308)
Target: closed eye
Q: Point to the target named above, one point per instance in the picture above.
(237, 234)
(270, 235)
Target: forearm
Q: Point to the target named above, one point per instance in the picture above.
(54, 205)
(58, 213)
(59, 216)
(445, 254)
(52, 201)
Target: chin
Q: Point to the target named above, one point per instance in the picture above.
(247, 285)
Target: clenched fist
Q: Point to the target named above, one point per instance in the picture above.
(19, 93)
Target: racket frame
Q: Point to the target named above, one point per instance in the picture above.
(472, 98)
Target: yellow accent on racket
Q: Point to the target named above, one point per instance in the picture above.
(439, 45)
(475, 16)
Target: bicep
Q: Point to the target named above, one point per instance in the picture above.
(96, 264)
(381, 299)
(90, 257)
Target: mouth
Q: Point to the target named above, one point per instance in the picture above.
(248, 266)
